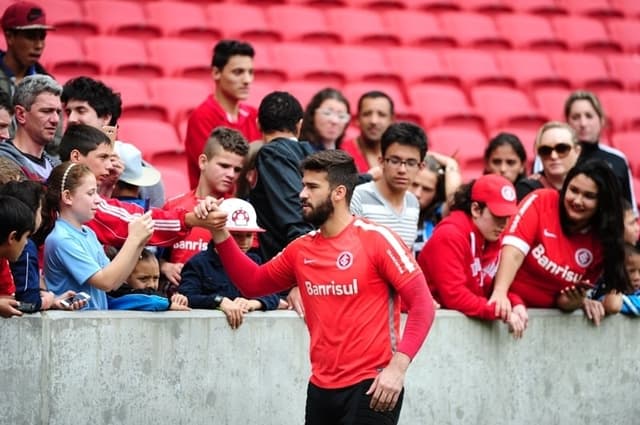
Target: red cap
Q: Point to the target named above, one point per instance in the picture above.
(497, 193)
(24, 15)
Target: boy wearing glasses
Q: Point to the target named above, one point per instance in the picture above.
(388, 200)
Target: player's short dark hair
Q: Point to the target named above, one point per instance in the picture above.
(405, 133)
(224, 49)
(97, 94)
(279, 111)
(339, 166)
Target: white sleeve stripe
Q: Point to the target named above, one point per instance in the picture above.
(397, 247)
(124, 215)
(516, 242)
(630, 305)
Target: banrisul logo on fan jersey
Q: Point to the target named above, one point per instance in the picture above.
(583, 257)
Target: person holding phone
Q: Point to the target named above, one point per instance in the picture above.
(559, 243)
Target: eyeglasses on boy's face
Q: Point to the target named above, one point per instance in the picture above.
(394, 161)
(562, 149)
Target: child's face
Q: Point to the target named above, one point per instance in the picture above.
(631, 228)
(145, 275)
(243, 239)
(16, 245)
(632, 264)
(85, 199)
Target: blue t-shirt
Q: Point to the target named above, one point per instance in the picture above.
(71, 257)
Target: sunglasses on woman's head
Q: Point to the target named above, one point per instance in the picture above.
(562, 149)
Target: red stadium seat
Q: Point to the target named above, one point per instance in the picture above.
(64, 55)
(175, 178)
(502, 106)
(265, 67)
(473, 30)
(625, 68)
(622, 109)
(627, 33)
(475, 67)
(360, 26)
(180, 95)
(302, 23)
(438, 104)
(150, 136)
(433, 5)
(182, 19)
(242, 21)
(259, 89)
(539, 7)
(403, 112)
(304, 90)
(384, 5)
(417, 28)
(595, 8)
(584, 70)
(68, 18)
(181, 58)
(361, 63)
(530, 69)
(120, 17)
(527, 31)
(550, 101)
(308, 62)
(584, 34)
(627, 142)
(120, 55)
(487, 6)
(630, 8)
(466, 145)
(416, 65)
(136, 102)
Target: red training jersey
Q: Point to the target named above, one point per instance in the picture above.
(553, 260)
(196, 240)
(204, 119)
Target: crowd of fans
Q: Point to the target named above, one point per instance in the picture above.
(82, 213)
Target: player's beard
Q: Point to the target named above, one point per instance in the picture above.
(320, 213)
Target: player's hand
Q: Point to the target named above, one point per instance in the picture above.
(206, 205)
(387, 386)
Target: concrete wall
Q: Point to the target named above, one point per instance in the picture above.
(191, 368)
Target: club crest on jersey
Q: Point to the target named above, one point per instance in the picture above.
(583, 257)
(344, 260)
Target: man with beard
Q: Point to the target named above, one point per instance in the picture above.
(388, 200)
(375, 115)
(351, 273)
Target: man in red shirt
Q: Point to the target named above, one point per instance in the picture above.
(351, 273)
(232, 65)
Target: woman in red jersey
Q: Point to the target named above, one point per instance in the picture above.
(559, 242)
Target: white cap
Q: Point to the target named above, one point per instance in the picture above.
(136, 171)
(241, 216)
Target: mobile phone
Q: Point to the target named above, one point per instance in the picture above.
(26, 307)
(80, 296)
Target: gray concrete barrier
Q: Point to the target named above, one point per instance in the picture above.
(190, 368)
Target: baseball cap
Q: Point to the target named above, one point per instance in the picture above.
(136, 172)
(24, 15)
(241, 216)
(497, 193)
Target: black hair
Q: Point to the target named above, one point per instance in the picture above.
(83, 138)
(32, 193)
(429, 212)
(224, 49)
(607, 222)
(507, 139)
(462, 199)
(339, 166)
(97, 94)
(279, 111)
(309, 131)
(374, 94)
(6, 102)
(405, 133)
(15, 216)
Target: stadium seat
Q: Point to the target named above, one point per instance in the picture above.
(550, 101)
(179, 95)
(259, 89)
(417, 28)
(181, 58)
(403, 112)
(438, 104)
(433, 5)
(627, 33)
(120, 55)
(530, 69)
(625, 68)
(584, 34)
(243, 22)
(150, 136)
(526, 31)
(622, 109)
(68, 18)
(584, 70)
(503, 106)
(173, 169)
(466, 145)
(630, 8)
(308, 62)
(304, 90)
(265, 67)
(64, 55)
(192, 22)
(416, 65)
(383, 5)
(595, 8)
(360, 26)
(476, 67)
(120, 17)
(487, 6)
(136, 102)
(473, 30)
(627, 142)
(302, 23)
(538, 7)
(361, 63)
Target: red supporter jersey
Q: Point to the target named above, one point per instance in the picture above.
(347, 286)
(351, 147)
(553, 260)
(204, 119)
(196, 240)
(7, 285)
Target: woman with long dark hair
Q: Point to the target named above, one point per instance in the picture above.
(325, 119)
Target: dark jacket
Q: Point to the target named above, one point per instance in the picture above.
(8, 150)
(26, 275)
(127, 298)
(203, 277)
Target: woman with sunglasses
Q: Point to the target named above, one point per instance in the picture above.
(325, 119)
(560, 242)
(558, 149)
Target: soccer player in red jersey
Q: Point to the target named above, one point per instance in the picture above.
(351, 273)
(560, 242)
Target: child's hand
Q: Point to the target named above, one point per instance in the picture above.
(233, 311)
(141, 228)
(179, 303)
(8, 307)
